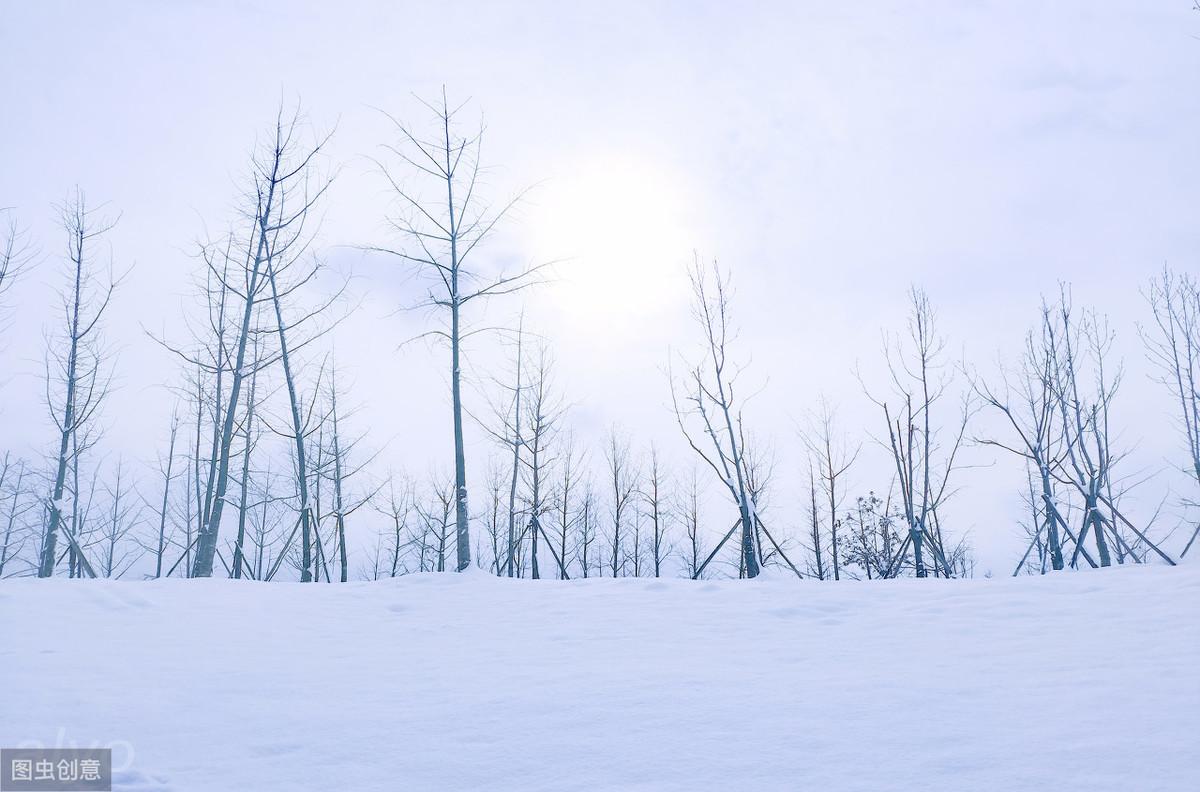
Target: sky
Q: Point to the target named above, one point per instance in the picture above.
(828, 155)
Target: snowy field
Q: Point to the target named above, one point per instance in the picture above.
(1086, 681)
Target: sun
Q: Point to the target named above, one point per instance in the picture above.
(618, 224)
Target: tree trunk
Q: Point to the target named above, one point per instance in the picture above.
(206, 544)
(162, 513)
(243, 507)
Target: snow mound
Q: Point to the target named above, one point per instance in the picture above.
(1081, 681)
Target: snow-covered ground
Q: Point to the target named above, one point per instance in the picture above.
(1086, 681)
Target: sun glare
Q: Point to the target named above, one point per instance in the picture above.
(619, 227)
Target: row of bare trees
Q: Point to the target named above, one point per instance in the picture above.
(262, 476)
(1058, 402)
(1058, 405)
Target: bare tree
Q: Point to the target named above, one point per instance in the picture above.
(541, 428)
(122, 519)
(209, 365)
(1174, 347)
(833, 459)
(1085, 387)
(397, 507)
(622, 481)
(924, 463)
(77, 374)
(249, 441)
(509, 433)
(341, 469)
(13, 489)
(494, 525)
(709, 401)
(1059, 412)
(16, 252)
(817, 566)
(82, 525)
(278, 202)
(289, 269)
(437, 529)
(270, 516)
(587, 535)
(568, 512)
(167, 466)
(440, 235)
(654, 498)
(689, 510)
(1088, 457)
(1031, 410)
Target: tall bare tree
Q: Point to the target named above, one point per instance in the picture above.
(246, 268)
(1086, 384)
(77, 372)
(709, 404)
(924, 461)
(1174, 346)
(1030, 407)
(439, 237)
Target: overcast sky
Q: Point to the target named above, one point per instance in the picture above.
(829, 154)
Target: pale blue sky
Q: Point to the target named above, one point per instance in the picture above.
(829, 154)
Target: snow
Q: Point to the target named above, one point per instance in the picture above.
(1085, 681)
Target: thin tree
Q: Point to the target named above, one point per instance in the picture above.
(709, 402)
(654, 497)
(587, 534)
(1085, 387)
(12, 476)
(279, 200)
(440, 236)
(509, 434)
(16, 253)
(77, 372)
(622, 482)
(341, 469)
(122, 519)
(833, 459)
(249, 440)
(541, 428)
(396, 506)
(167, 466)
(1174, 346)
(1030, 407)
(817, 567)
(567, 512)
(924, 463)
(689, 511)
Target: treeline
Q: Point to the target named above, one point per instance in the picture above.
(264, 476)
